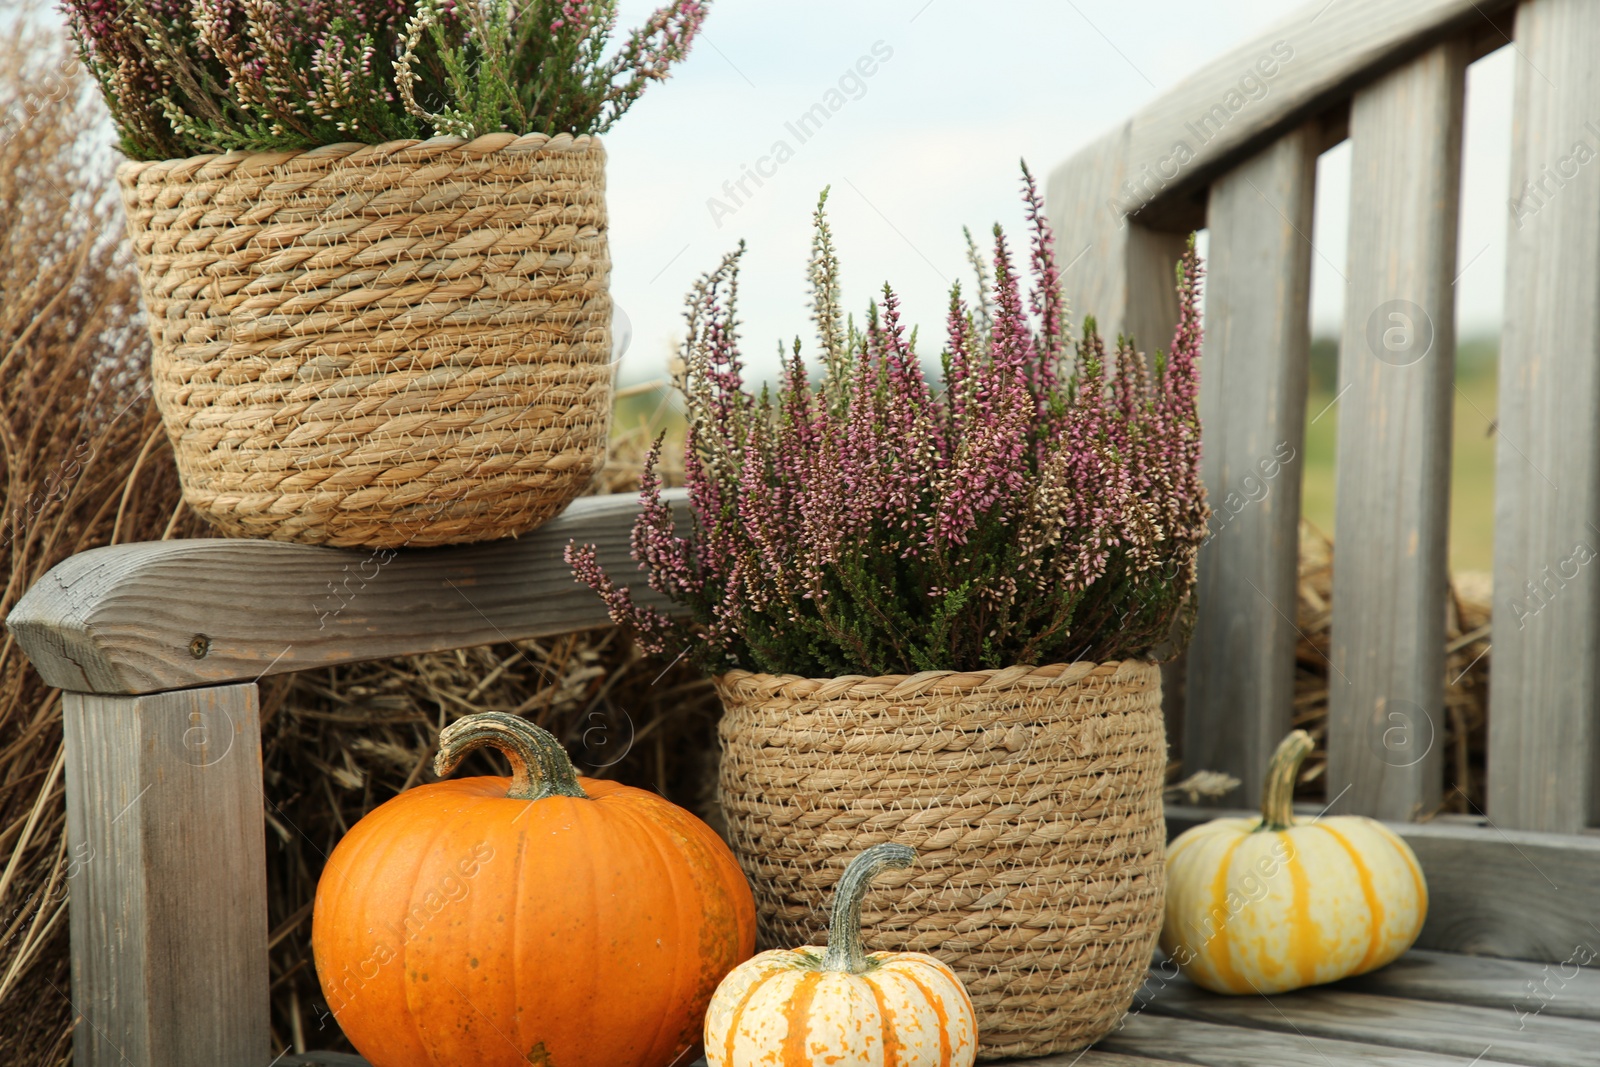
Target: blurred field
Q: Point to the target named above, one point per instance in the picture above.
(1472, 473)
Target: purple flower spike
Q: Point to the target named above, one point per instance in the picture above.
(1045, 504)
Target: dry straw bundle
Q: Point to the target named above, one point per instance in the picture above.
(1461, 736)
(83, 463)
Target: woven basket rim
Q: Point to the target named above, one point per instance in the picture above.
(358, 153)
(1050, 675)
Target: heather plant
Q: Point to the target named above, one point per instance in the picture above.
(1044, 505)
(184, 77)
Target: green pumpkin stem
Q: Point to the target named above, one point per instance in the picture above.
(539, 765)
(845, 951)
(1277, 800)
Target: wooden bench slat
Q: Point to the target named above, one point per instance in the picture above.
(1545, 685)
(1117, 270)
(1464, 980)
(1094, 1057)
(131, 618)
(1088, 1058)
(1158, 160)
(1565, 988)
(1504, 985)
(1213, 1045)
(1124, 202)
(1333, 48)
(168, 855)
(1424, 1026)
(1253, 380)
(1386, 725)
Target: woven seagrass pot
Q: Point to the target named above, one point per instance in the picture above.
(380, 345)
(1033, 798)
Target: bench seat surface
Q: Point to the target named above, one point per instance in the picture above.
(1427, 1009)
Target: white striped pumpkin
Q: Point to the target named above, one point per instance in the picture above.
(1270, 905)
(842, 1006)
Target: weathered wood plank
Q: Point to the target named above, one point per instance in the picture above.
(1119, 271)
(163, 615)
(1253, 381)
(1091, 234)
(1093, 1057)
(1189, 1041)
(1086, 1058)
(1162, 157)
(1545, 687)
(1463, 980)
(1518, 894)
(1462, 1031)
(1397, 373)
(1493, 892)
(168, 910)
(1568, 988)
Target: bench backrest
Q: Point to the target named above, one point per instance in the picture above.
(1234, 148)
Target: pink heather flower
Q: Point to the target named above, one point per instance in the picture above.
(1045, 299)
(1044, 504)
(574, 14)
(656, 544)
(648, 625)
(187, 76)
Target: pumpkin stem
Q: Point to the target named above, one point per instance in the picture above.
(845, 951)
(539, 765)
(1277, 800)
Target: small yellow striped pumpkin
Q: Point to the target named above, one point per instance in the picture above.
(1272, 905)
(841, 1006)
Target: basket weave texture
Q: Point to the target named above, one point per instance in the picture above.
(1033, 798)
(380, 345)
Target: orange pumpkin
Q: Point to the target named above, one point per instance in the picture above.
(544, 919)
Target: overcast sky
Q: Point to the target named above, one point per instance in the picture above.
(930, 141)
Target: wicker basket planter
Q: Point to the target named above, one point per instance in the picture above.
(380, 345)
(1033, 797)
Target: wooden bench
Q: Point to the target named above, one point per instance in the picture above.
(1388, 75)
(1431, 1008)
(1239, 159)
(158, 647)
(1428, 1009)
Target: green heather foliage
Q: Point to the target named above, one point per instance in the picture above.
(186, 77)
(1043, 506)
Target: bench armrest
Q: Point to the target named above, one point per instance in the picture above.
(154, 616)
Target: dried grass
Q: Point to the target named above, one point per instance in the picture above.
(82, 462)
